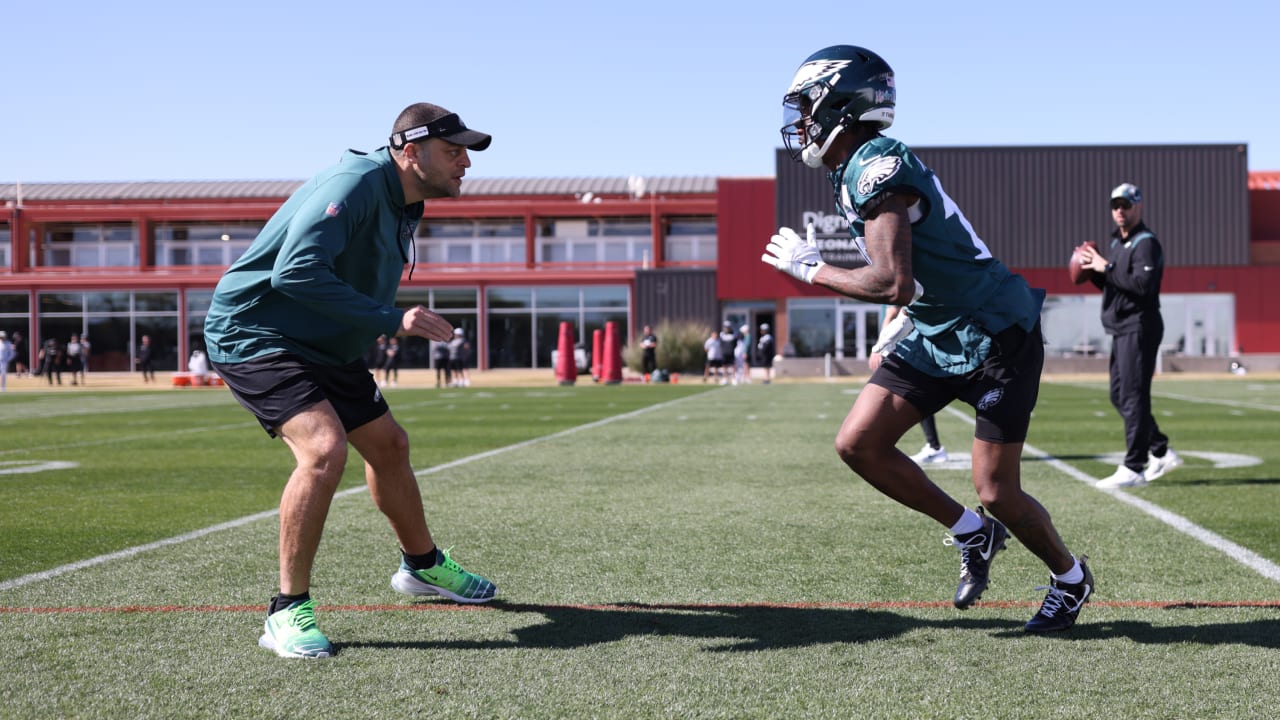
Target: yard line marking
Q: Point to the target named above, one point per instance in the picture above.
(502, 606)
(129, 438)
(1186, 398)
(533, 441)
(1208, 401)
(129, 552)
(1239, 553)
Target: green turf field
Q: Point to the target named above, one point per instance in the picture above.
(679, 551)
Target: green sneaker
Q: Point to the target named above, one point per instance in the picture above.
(292, 633)
(447, 579)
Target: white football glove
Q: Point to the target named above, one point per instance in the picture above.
(919, 291)
(893, 331)
(793, 255)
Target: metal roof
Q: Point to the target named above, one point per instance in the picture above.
(1264, 180)
(240, 189)
(150, 190)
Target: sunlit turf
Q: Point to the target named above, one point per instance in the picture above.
(660, 552)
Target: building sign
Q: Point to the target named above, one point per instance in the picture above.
(804, 195)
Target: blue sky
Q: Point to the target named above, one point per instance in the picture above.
(276, 90)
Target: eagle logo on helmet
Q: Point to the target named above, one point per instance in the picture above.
(813, 71)
(876, 171)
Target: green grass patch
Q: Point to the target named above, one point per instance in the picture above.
(707, 557)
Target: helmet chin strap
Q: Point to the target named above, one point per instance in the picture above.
(813, 157)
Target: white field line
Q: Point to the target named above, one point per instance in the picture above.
(1188, 398)
(230, 524)
(1240, 554)
(128, 438)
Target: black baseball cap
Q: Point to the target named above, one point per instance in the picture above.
(434, 121)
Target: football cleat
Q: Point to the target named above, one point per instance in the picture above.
(929, 454)
(447, 579)
(1158, 466)
(977, 550)
(1062, 605)
(292, 633)
(1123, 477)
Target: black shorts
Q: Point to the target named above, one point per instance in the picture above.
(278, 386)
(1003, 390)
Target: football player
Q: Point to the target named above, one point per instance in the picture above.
(976, 334)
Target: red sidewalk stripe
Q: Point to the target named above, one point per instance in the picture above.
(646, 607)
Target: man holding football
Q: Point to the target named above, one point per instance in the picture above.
(1129, 277)
(287, 330)
(976, 334)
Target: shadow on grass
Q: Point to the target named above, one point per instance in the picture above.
(732, 628)
(729, 627)
(1258, 633)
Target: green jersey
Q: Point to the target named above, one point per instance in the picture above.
(969, 295)
(321, 278)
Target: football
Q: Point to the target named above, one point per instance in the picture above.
(1080, 273)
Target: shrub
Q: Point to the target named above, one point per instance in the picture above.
(680, 347)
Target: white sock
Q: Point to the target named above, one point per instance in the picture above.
(1071, 577)
(967, 523)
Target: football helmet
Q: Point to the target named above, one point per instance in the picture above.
(834, 88)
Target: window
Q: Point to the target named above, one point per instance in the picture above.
(488, 241)
(4, 246)
(691, 240)
(524, 323)
(203, 243)
(1195, 325)
(90, 245)
(590, 242)
(458, 305)
(113, 322)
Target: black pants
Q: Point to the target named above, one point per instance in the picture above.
(1133, 363)
(930, 428)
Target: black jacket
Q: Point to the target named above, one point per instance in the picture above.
(1131, 285)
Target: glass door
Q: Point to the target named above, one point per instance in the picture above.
(859, 328)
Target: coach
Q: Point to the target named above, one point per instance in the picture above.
(1129, 277)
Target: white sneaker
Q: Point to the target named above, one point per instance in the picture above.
(1122, 477)
(1158, 466)
(929, 455)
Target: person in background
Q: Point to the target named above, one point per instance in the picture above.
(75, 359)
(766, 348)
(391, 363)
(742, 356)
(20, 358)
(198, 366)
(714, 367)
(648, 353)
(896, 320)
(440, 358)
(728, 341)
(86, 350)
(50, 359)
(6, 357)
(1129, 276)
(145, 360)
(460, 358)
(287, 331)
(377, 358)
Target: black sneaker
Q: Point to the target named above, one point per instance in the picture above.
(977, 550)
(1063, 603)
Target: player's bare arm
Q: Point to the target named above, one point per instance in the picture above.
(422, 322)
(888, 278)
